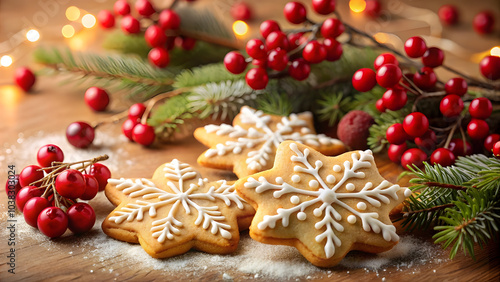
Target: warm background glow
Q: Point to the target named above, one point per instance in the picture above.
(88, 21)
(68, 31)
(240, 28)
(495, 51)
(5, 61)
(32, 35)
(72, 13)
(357, 6)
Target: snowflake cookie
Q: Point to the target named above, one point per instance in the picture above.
(249, 145)
(175, 211)
(323, 206)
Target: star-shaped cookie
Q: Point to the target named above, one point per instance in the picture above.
(175, 211)
(323, 206)
(249, 145)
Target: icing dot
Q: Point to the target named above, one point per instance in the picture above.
(351, 219)
(337, 168)
(237, 150)
(330, 179)
(407, 192)
(313, 184)
(317, 212)
(361, 206)
(279, 180)
(318, 163)
(350, 187)
(294, 200)
(305, 130)
(295, 178)
(301, 216)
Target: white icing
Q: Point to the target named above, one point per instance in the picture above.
(329, 198)
(262, 137)
(151, 198)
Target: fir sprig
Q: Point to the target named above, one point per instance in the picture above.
(462, 202)
(377, 140)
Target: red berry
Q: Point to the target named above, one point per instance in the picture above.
(314, 52)
(101, 174)
(260, 63)
(159, 57)
(490, 141)
(442, 156)
(25, 194)
(383, 59)
(458, 148)
(32, 209)
(96, 98)
(277, 39)
(451, 105)
(415, 47)
(457, 86)
(333, 49)
(169, 19)
(395, 99)
(389, 75)
(121, 7)
(257, 78)
(364, 80)
(268, 26)
(448, 14)
(256, 49)
(295, 12)
(136, 111)
(81, 218)
(128, 127)
(412, 157)
(29, 175)
(484, 22)
(24, 78)
(130, 24)
(48, 154)
(91, 187)
(277, 59)
(241, 11)
(426, 142)
(478, 129)
(155, 36)
(490, 67)
(496, 149)
(52, 222)
(425, 78)
(299, 69)
(323, 7)
(294, 40)
(373, 8)
(480, 108)
(186, 43)
(106, 19)
(12, 185)
(396, 151)
(416, 124)
(80, 134)
(332, 28)
(396, 135)
(70, 184)
(433, 57)
(143, 134)
(380, 105)
(144, 8)
(235, 62)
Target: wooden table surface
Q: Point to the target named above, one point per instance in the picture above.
(44, 113)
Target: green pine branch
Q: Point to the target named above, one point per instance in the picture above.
(462, 202)
(377, 140)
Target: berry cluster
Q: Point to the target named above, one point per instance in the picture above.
(289, 52)
(483, 22)
(414, 141)
(161, 33)
(49, 193)
(134, 129)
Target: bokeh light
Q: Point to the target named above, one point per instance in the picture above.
(495, 51)
(68, 31)
(88, 21)
(32, 35)
(240, 28)
(357, 6)
(6, 61)
(72, 13)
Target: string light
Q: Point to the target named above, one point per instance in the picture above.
(357, 6)
(68, 31)
(32, 35)
(72, 13)
(240, 28)
(6, 61)
(495, 51)
(88, 21)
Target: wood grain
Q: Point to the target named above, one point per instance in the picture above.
(51, 107)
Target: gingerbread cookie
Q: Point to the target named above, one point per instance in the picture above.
(249, 145)
(175, 211)
(323, 206)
